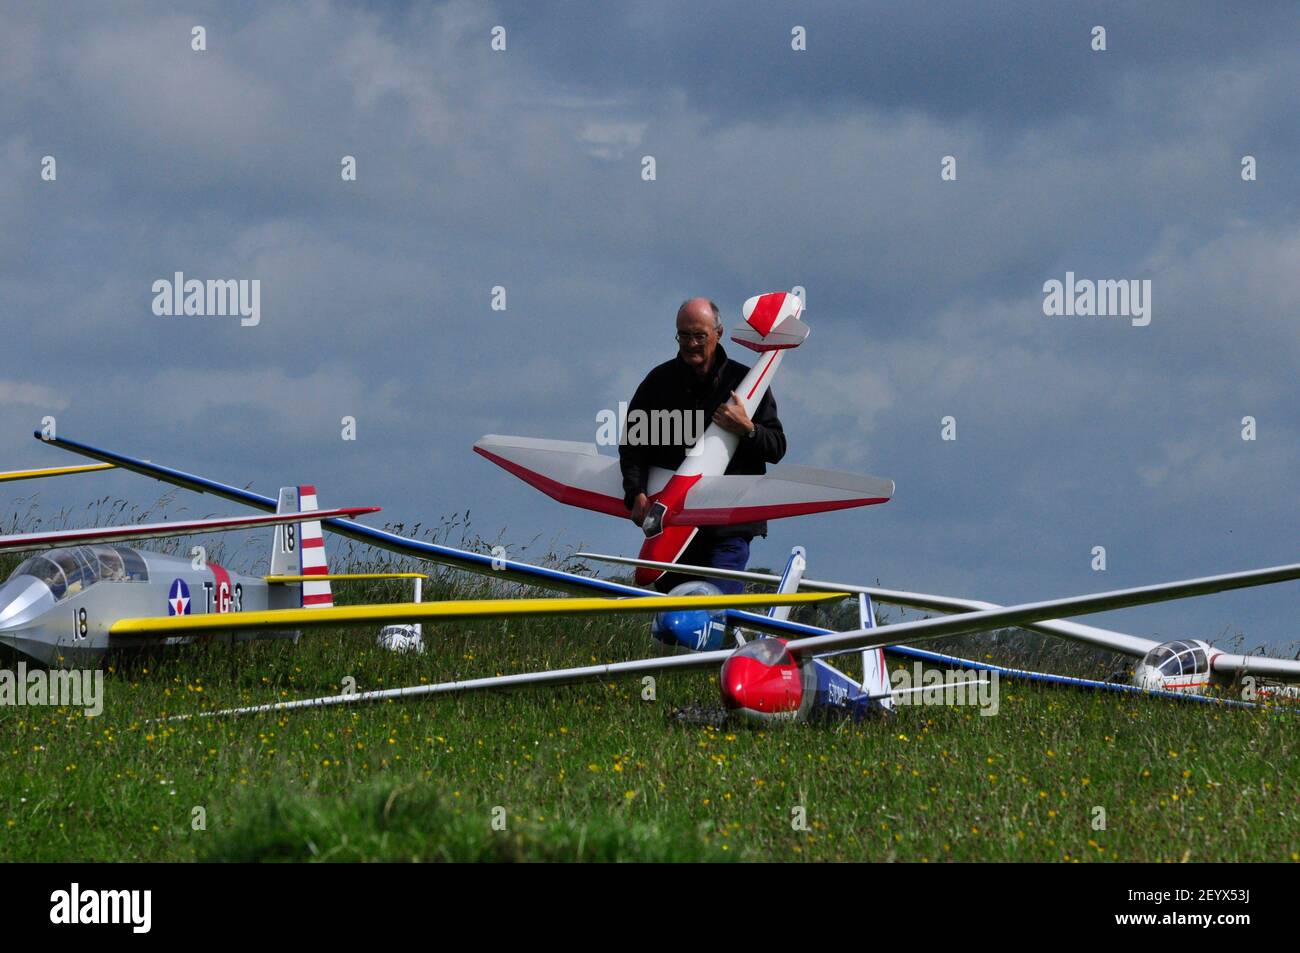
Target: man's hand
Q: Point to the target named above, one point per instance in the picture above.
(639, 508)
(731, 416)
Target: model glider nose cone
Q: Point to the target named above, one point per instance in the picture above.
(1148, 678)
(695, 629)
(753, 687)
(687, 628)
(22, 598)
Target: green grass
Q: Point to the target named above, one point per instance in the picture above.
(596, 773)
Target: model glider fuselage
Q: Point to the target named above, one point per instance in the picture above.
(58, 606)
(700, 492)
(762, 680)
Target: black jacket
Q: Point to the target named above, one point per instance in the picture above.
(674, 386)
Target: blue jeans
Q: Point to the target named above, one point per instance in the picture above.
(729, 552)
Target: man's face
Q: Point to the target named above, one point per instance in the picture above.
(697, 339)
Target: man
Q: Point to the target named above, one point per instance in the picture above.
(701, 380)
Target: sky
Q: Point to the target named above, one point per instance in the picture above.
(773, 168)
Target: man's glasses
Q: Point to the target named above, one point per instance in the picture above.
(693, 338)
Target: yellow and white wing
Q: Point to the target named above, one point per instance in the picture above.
(449, 611)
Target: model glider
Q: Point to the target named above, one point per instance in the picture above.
(700, 492)
(1177, 665)
(770, 679)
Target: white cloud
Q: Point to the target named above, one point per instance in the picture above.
(20, 398)
(611, 140)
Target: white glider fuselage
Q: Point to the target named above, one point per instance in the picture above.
(58, 607)
(666, 538)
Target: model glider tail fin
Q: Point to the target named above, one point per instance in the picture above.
(875, 674)
(315, 594)
(790, 579)
(771, 322)
(299, 549)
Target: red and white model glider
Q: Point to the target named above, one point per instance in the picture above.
(700, 492)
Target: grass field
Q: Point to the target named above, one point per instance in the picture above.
(598, 773)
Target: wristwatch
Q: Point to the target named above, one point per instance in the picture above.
(753, 432)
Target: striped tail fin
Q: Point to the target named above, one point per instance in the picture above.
(771, 322)
(299, 548)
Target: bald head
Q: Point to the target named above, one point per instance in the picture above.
(700, 309)
(699, 328)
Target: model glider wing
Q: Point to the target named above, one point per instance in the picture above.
(446, 611)
(561, 676)
(981, 616)
(782, 491)
(1283, 669)
(52, 472)
(25, 542)
(1067, 681)
(669, 663)
(900, 632)
(573, 473)
(984, 619)
(1121, 642)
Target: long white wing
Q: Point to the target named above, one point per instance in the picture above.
(1280, 668)
(984, 619)
(895, 634)
(561, 676)
(578, 475)
(1104, 638)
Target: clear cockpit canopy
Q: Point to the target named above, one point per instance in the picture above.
(1177, 658)
(69, 571)
(767, 651)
